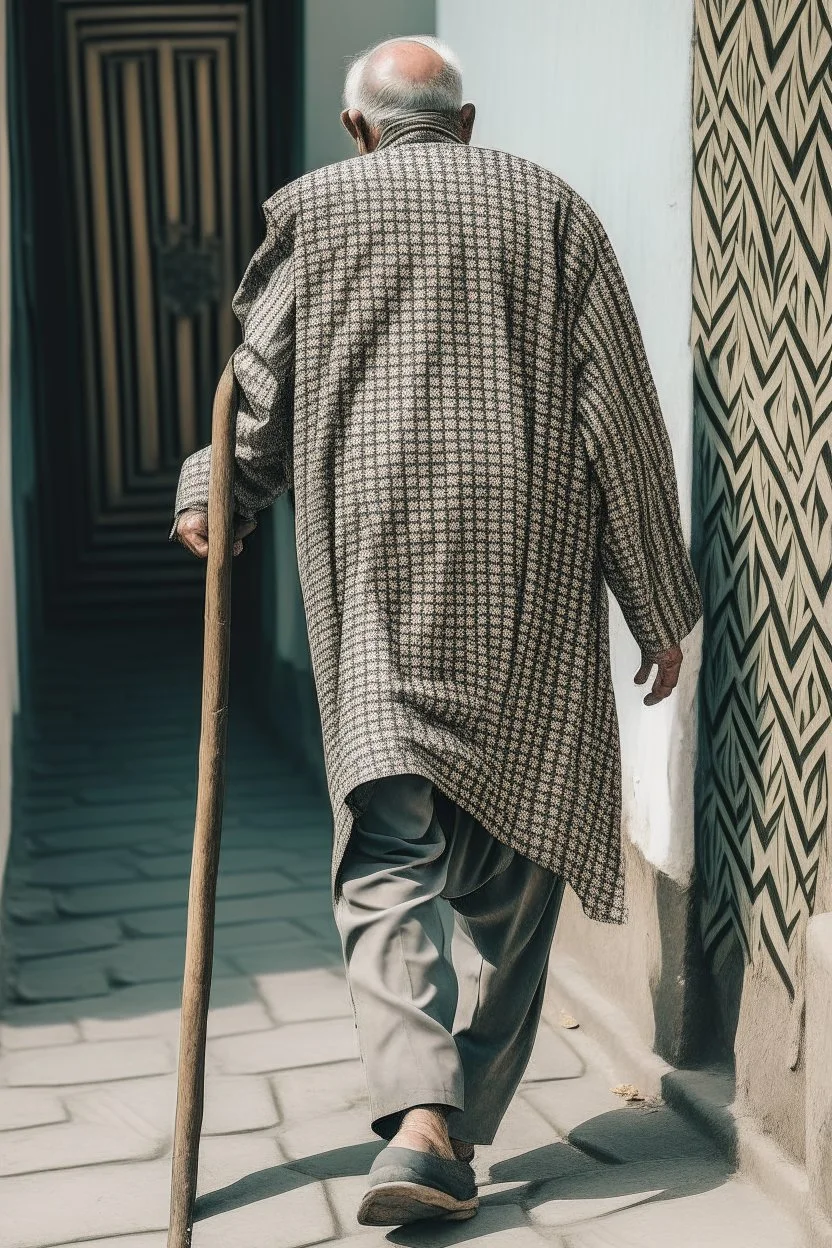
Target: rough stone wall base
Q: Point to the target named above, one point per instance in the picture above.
(705, 1096)
(651, 968)
(818, 1046)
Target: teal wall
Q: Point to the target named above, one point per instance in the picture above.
(333, 31)
(8, 640)
(22, 379)
(17, 451)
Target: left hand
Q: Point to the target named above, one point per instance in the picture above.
(192, 532)
(669, 662)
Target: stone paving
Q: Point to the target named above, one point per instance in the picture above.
(94, 920)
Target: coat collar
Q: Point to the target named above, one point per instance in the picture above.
(426, 127)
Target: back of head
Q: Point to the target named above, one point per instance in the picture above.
(399, 77)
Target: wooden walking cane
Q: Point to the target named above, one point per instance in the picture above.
(199, 945)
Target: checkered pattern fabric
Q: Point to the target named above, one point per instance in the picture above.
(441, 357)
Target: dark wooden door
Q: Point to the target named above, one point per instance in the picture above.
(149, 159)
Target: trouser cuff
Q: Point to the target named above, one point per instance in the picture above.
(387, 1116)
(470, 1129)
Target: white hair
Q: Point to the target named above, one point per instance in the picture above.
(392, 96)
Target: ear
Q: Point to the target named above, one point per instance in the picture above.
(355, 123)
(466, 121)
(348, 120)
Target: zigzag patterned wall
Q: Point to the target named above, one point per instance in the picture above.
(762, 334)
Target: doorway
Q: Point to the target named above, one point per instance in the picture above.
(153, 132)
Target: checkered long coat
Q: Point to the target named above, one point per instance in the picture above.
(441, 357)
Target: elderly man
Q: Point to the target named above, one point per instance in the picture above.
(441, 359)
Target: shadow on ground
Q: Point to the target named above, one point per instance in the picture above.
(555, 1173)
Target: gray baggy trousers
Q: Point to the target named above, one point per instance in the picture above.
(446, 935)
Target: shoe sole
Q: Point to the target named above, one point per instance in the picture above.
(394, 1204)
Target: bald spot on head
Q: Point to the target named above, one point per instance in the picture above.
(404, 58)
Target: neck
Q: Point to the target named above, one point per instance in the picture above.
(416, 124)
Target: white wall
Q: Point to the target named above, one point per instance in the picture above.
(8, 634)
(599, 92)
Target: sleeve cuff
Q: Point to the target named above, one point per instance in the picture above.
(670, 632)
(192, 490)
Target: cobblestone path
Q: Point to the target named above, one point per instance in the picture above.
(94, 928)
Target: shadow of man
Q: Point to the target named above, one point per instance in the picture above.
(627, 1157)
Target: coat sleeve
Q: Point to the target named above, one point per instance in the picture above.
(643, 552)
(264, 369)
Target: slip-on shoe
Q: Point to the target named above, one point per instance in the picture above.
(407, 1185)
